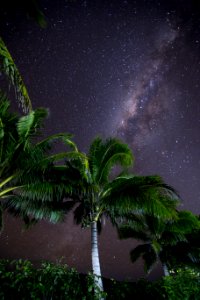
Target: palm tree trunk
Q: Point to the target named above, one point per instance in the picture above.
(95, 257)
(165, 270)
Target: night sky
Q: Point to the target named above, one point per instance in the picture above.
(129, 69)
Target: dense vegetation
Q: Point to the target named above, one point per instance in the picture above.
(21, 281)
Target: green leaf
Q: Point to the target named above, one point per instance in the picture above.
(10, 70)
(1, 129)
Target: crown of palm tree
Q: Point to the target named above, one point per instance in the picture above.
(24, 163)
(159, 235)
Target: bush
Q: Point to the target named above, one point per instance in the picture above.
(184, 285)
(19, 280)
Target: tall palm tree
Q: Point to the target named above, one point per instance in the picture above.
(159, 236)
(97, 190)
(93, 172)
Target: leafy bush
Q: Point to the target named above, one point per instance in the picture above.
(19, 280)
(184, 285)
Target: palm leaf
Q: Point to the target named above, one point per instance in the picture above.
(150, 258)
(140, 194)
(147, 253)
(9, 68)
(64, 137)
(105, 155)
(28, 125)
(20, 206)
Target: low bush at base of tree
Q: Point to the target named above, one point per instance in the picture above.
(20, 280)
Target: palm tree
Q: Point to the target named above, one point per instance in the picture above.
(160, 236)
(24, 159)
(93, 172)
(91, 184)
(96, 190)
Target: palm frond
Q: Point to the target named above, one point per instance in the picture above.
(138, 193)
(28, 221)
(147, 253)
(46, 191)
(20, 206)
(155, 225)
(64, 137)
(177, 230)
(187, 222)
(138, 252)
(4, 105)
(78, 161)
(105, 155)
(79, 213)
(150, 258)
(28, 125)
(9, 68)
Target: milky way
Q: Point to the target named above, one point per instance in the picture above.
(149, 99)
(129, 69)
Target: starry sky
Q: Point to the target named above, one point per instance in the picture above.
(129, 69)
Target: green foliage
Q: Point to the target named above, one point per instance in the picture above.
(98, 193)
(162, 238)
(140, 194)
(185, 285)
(88, 175)
(26, 165)
(19, 280)
(92, 291)
(103, 156)
(8, 67)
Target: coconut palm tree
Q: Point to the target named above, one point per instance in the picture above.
(97, 190)
(93, 172)
(159, 236)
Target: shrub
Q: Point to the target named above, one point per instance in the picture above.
(184, 285)
(19, 280)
